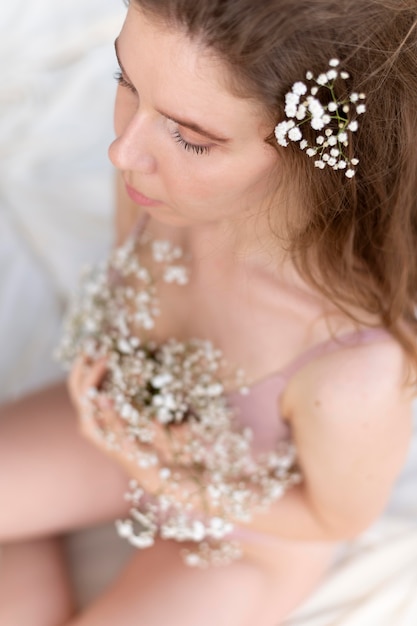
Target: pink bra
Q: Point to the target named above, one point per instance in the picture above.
(260, 408)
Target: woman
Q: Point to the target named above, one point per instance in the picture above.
(291, 250)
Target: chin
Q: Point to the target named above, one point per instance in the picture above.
(169, 218)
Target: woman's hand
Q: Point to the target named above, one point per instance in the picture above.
(103, 426)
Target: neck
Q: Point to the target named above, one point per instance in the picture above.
(245, 240)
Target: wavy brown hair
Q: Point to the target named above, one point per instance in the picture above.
(357, 241)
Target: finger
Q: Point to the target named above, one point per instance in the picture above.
(101, 427)
(92, 375)
(75, 378)
(85, 376)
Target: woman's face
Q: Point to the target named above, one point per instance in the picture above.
(189, 150)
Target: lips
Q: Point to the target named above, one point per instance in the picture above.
(140, 198)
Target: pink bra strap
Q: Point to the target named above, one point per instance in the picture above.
(332, 345)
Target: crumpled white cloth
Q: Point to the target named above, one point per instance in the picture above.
(374, 584)
(56, 183)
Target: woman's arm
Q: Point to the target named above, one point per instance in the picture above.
(351, 420)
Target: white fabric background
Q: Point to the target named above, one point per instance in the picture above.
(56, 198)
(56, 99)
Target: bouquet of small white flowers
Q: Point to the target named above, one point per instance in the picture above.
(210, 479)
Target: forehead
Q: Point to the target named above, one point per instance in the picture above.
(182, 76)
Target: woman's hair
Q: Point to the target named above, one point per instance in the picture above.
(357, 239)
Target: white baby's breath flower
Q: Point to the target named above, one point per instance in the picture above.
(322, 79)
(334, 62)
(160, 250)
(164, 415)
(353, 126)
(141, 541)
(165, 473)
(315, 107)
(281, 131)
(361, 108)
(350, 173)
(176, 274)
(292, 97)
(332, 74)
(317, 123)
(299, 88)
(215, 389)
(124, 346)
(193, 560)
(124, 529)
(295, 134)
(160, 380)
(301, 112)
(290, 110)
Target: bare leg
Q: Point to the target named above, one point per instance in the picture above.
(34, 586)
(51, 479)
(156, 589)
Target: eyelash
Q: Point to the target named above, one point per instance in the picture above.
(118, 75)
(189, 147)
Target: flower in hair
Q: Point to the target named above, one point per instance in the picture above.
(334, 122)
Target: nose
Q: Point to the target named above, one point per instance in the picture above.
(129, 151)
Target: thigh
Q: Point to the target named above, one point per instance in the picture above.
(51, 479)
(156, 589)
(35, 587)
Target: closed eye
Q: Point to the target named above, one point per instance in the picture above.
(118, 75)
(190, 147)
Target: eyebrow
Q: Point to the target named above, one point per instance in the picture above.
(181, 122)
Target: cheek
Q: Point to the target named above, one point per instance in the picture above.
(233, 176)
(228, 185)
(217, 180)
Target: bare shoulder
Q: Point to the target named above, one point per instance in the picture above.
(351, 416)
(360, 377)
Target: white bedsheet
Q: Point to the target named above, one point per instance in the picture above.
(56, 98)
